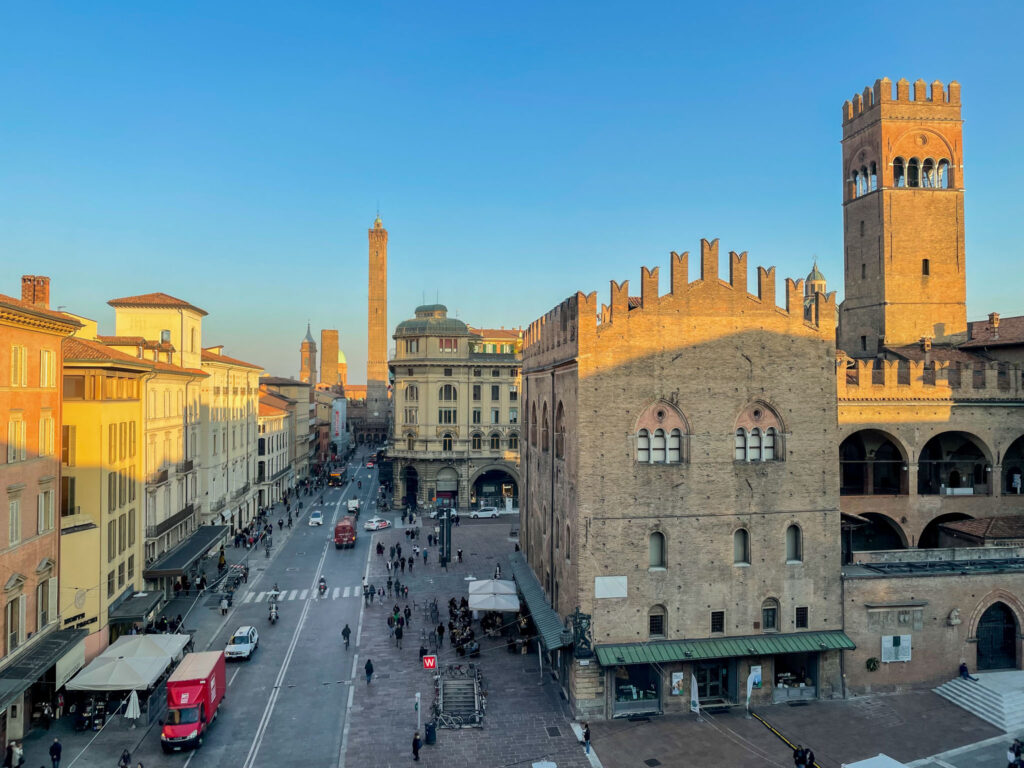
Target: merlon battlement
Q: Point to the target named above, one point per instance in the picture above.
(707, 295)
(935, 95)
(927, 380)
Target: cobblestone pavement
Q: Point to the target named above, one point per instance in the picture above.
(526, 721)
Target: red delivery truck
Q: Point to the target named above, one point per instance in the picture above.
(345, 533)
(194, 692)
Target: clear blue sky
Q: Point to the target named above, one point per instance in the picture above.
(234, 154)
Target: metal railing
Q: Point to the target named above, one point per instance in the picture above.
(157, 478)
(218, 505)
(152, 531)
(186, 466)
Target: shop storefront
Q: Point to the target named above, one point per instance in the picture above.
(637, 690)
(795, 676)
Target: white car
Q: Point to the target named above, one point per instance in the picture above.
(484, 512)
(316, 518)
(376, 524)
(242, 644)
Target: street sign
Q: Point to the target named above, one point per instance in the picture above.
(430, 662)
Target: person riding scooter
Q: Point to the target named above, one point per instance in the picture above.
(273, 614)
(360, 483)
(323, 586)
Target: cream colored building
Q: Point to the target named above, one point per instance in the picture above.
(303, 437)
(273, 469)
(457, 412)
(230, 405)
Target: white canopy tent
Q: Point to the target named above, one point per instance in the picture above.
(492, 587)
(108, 673)
(131, 663)
(483, 602)
(878, 761)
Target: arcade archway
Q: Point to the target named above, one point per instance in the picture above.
(997, 638)
(410, 485)
(493, 487)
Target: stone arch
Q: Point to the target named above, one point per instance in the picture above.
(878, 532)
(929, 536)
(953, 459)
(873, 462)
(905, 146)
(982, 635)
(1012, 480)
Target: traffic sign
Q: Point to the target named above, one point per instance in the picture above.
(430, 662)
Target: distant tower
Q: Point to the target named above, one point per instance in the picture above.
(813, 285)
(329, 357)
(307, 355)
(903, 217)
(342, 368)
(377, 324)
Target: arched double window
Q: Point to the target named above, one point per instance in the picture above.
(447, 393)
(656, 550)
(741, 547)
(758, 435)
(794, 544)
(477, 441)
(928, 177)
(560, 431)
(943, 174)
(914, 173)
(495, 442)
(412, 393)
(513, 441)
(410, 441)
(661, 435)
(899, 173)
(545, 430)
(446, 441)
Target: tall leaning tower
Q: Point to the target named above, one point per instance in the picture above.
(903, 218)
(377, 325)
(307, 358)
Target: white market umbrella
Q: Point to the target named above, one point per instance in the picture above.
(133, 711)
(494, 603)
(492, 587)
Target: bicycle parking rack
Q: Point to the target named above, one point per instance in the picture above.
(459, 698)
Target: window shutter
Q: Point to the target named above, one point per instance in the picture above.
(51, 605)
(12, 437)
(42, 368)
(23, 439)
(22, 603)
(40, 513)
(24, 366)
(15, 378)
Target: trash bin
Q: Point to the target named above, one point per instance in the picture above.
(431, 733)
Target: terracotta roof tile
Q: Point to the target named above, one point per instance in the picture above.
(159, 365)
(1007, 527)
(496, 333)
(281, 381)
(28, 306)
(86, 349)
(1011, 331)
(266, 409)
(155, 300)
(213, 357)
(121, 341)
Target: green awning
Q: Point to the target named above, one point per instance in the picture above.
(662, 651)
(549, 624)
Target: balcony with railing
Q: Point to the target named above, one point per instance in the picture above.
(157, 478)
(186, 466)
(153, 531)
(241, 491)
(218, 505)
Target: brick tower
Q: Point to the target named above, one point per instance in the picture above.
(329, 357)
(307, 359)
(903, 217)
(377, 325)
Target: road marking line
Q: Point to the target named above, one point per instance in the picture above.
(355, 663)
(249, 597)
(292, 594)
(347, 591)
(337, 592)
(259, 598)
(234, 676)
(261, 729)
(303, 595)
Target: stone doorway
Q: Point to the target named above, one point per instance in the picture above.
(997, 638)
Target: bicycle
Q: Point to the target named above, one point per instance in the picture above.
(445, 720)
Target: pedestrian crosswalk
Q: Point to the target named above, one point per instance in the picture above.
(338, 593)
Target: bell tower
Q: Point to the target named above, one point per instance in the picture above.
(903, 218)
(377, 323)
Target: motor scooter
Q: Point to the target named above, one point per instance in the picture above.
(273, 613)
(323, 587)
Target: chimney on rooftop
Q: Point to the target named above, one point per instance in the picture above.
(35, 289)
(993, 321)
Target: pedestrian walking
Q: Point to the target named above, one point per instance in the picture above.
(380, 596)
(440, 635)
(398, 549)
(368, 668)
(586, 737)
(430, 539)
(411, 561)
(809, 758)
(425, 552)
(800, 756)
(402, 564)
(126, 760)
(391, 553)
(408, 614)
(416, 744)
(345, 633)
(458, 555)
(390, 585)
(224, 606)
(55, 749)
(405, 591)
(398, 636)
(389, 566)
(60, 705)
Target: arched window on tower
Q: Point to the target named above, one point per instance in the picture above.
(943, 175)
(560, 431)
(754, 445)
(658, 447)
(675, 443)
(759, 434)
(741, 547)
(446, 441)
(874, 178)
(770, 615)
(794, 544)
(656, 550)
(863, 180)
(928, 174)
(545, 431)
(856, 183)
(643, 446)
(768, 445)
(914, 173)
(899, 176)
(741, 444)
